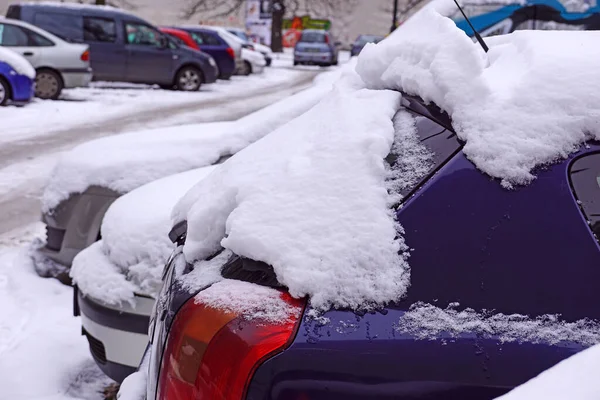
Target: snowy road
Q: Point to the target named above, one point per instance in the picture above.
(26, 161)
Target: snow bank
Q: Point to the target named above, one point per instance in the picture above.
(17, 61)
(248, 300)
(310, 200)
(429, 322)
(530, 101)
(124, 162)
(575, 378)
(135, 245)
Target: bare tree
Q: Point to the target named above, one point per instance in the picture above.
(316, 8)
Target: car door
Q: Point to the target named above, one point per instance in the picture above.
(19, 40)
(107, 48)
(149, 57)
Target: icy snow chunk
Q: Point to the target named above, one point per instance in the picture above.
(427, 321)
(127, 161)
(530, 101)
(575, 378)
(310, 200)
(17, 62)
(248, 300)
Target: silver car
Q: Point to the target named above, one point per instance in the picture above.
(59, 64)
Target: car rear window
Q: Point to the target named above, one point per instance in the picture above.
(313, 37)
(65, 26)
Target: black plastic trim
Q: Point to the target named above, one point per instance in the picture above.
(108, 317)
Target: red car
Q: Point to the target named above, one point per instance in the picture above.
(181, 36)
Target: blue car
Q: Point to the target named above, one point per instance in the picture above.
(211, 43)
(502, 254)
(316, 47)
(16, 84)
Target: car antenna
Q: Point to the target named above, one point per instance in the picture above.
(477, 35)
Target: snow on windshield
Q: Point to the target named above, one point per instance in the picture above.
(530, 101)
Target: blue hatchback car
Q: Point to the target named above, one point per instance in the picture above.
(211, 43)
(316, 47)
(495, 274)
(15, 85)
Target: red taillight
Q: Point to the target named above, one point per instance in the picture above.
(326, 39)
(85, 56)
(211, 354)
(230, 52)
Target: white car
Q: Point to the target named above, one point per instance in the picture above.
(251, 61)
(58, 64)
(261, 48)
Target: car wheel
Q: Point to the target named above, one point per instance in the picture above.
(188, 79)
(247, 69)
(296, 63)
(48, 84)
(4, 92)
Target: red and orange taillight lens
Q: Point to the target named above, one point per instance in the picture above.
(211, 354)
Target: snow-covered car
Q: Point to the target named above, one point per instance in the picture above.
(117, 279)
(261, 48)
(16, 78)
(437, 239)
(59, 64)
(90, 177)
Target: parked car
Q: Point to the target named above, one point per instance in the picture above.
(116, 327)
(16, 78)
(261, 48)
(211, 43)
(316, 47)
(235, 43)
(124, 47)
(361, 41)
(58, 64)
(253, 61)
(85, 182)
(182, 37)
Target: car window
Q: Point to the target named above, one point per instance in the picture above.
(66, 26)
(431, 144)
(313, 37)
(176, 39)
(585, 180)
(99, 29)
(198, 38)
(12, 36)
(210, 40)
(37, 40)
(142, 35)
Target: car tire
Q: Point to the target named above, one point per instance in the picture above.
(296, 63)
(269, 61)
(48, 84)
(4, 92)
(247, 68)
(188, 79)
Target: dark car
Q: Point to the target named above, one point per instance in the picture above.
(504, 255)
(123, 47)
(316, 47)
(361, 41)
(211, 43)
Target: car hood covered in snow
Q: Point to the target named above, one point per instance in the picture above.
(17, 61)
(311, 198)
(124, 162)
(135, 245)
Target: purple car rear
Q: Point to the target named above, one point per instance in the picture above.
(480, 255)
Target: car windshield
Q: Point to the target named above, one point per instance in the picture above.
(313, 37)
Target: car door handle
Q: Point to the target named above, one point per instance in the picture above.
(28, 53)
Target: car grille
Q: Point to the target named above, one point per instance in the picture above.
(96, 347)
(54, 238)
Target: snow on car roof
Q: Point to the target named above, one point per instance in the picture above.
(530, 101)
(124, 162)
(310, 199)
(17, 61)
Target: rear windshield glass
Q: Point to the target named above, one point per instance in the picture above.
(313, 37)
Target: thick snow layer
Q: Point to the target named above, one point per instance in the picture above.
(134, 386)
(530, 101)
(17, 61)
(127, 161)
(310, 199)
(428, 322)
(248, 300)
(575, 378)
(135, 245)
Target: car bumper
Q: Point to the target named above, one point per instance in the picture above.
(76, 77)
(23, 88)
(313, 58)
(117, 335)
(211, 74)
(268, 60)
(258, 69)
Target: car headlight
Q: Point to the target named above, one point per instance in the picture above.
(212, 62)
